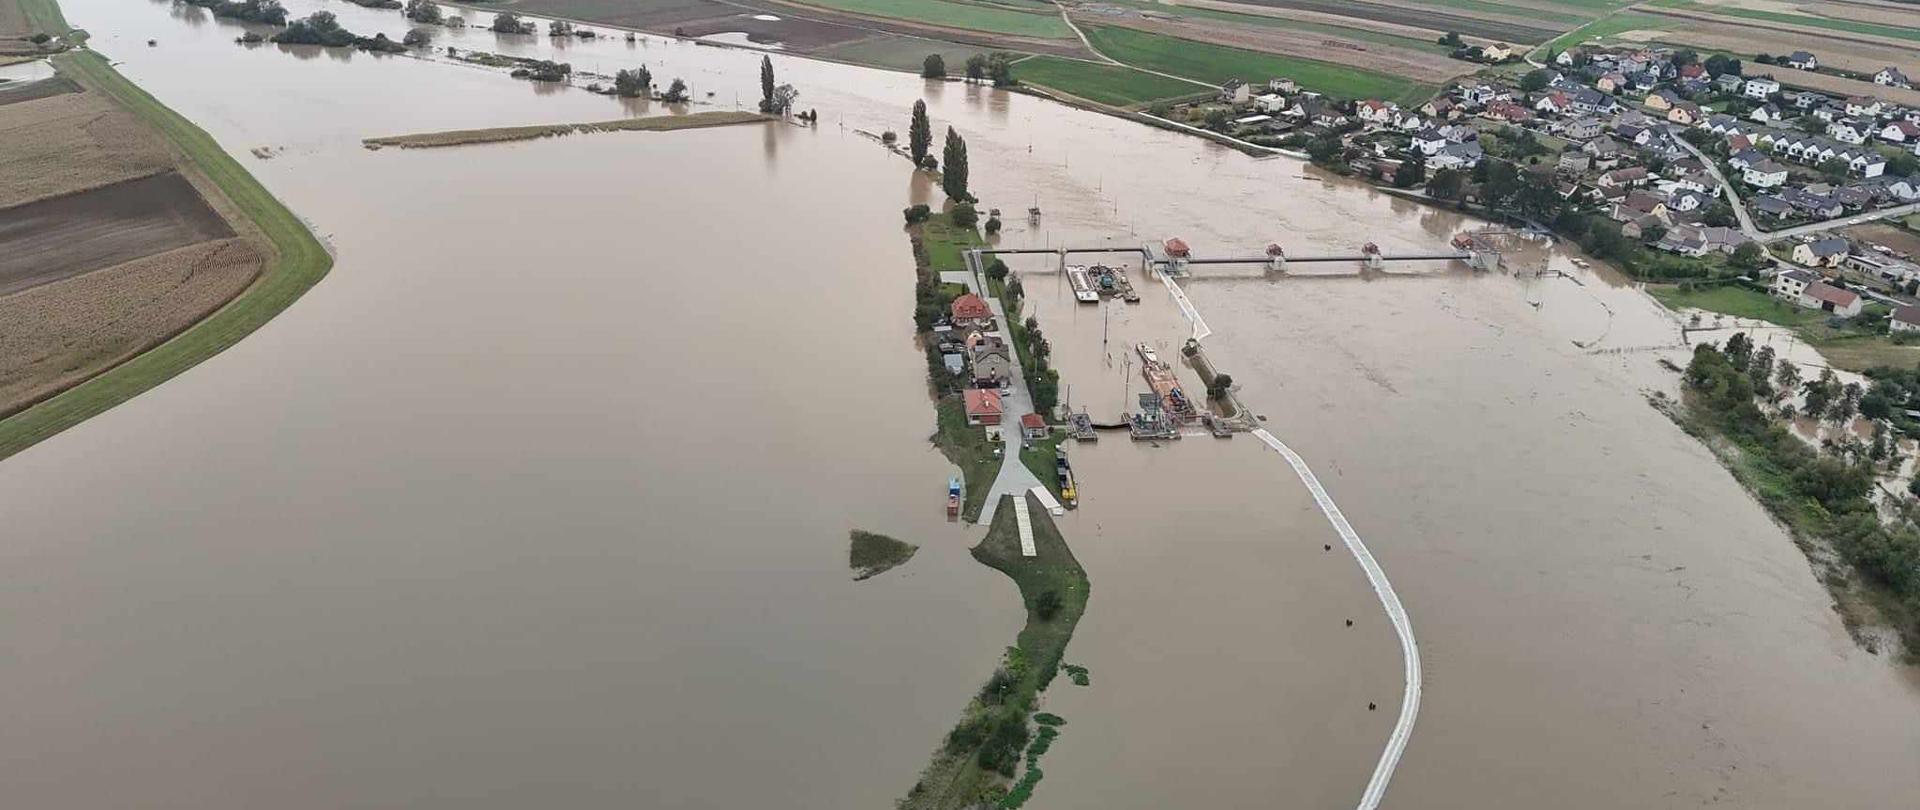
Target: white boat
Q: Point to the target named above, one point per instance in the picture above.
(1082, 287)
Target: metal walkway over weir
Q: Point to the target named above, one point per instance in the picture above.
(1475, 248)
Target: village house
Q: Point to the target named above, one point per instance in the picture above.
(992, 363)
(1033, 427)
(1623, 178)
(1728, 82)
(1770, 206)
(983, 406)
(1573, 162)
(1582, 128)
(1429, 142)
(1885, 268)
(1280, 85)
(1767, 113)
(1614, 82)
(1790, 284)
(1457, 156)
(1375, 111)
(1662, 100)
(1904, 319)
(1864, 106)
(1235, 91)
(1809, 100)
(1828, 298)
(1848, 130)
(1801, 60)
(1508, 112)
(1829, 252)
(1686, 200)
(1765, 174)
(1760, 88)
(970, 312)
(1891, 76)
(1901, 131)
(1818, 206)
(1438, 107)
(1685, 113)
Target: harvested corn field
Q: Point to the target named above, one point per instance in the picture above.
(72, 142)
(58, 237)
(664, 123)
(1424, 67)
(61, 334)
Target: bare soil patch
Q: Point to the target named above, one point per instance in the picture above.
(1505, 29)
(1892, 236)
(13, 21)
(1423, 67)
(16, 92)
(1422, 32)
(61, 334)
(45, 241)
(1818, 40)
(72, 142)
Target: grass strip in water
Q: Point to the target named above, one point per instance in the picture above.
(663, 123)
(985, 747)
(299, 261)
(870, 554)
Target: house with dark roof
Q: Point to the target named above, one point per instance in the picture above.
(1802, 60)
(1891, 76)
(1828, 252)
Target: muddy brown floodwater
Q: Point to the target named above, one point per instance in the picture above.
(540, 498)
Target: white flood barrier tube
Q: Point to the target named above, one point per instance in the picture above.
(1410, 701)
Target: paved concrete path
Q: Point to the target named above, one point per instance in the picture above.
(1014, 478)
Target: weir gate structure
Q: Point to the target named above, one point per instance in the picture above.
(1172, 257)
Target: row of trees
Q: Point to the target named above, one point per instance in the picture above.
(268, 12)
(996, 67)
(1826, 495)
(774, 99)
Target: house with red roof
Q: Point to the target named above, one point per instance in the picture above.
(970, 312)
(983, 406)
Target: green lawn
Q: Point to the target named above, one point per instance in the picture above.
(1215, 64)
(972, 16)
(895, 52)
(1040, 461)
(1107, 84)
(1830, 23)
(1739, 302)
(301, 262)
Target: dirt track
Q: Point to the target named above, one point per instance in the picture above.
(61, 334)
(17, 92)
(49, 240)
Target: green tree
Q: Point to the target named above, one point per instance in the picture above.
(417, 38)
(1447, 184)
(1412, 171)
(423, 11)
(1739, 350)
(1451, 39)
(1721, 64)
(676, 92)
(507, 22)
(1536, 80)
(998, 270)
(1750, 255)
(766, 84)
(1835, 169)
(934, 68)
(1221, 384)
(1046, 605)
(976, 67)
(1787, 376)
(633, 83)
(954, 179)
(1000, 69)
(919, 133)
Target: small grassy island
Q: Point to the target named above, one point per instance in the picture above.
(870, 554)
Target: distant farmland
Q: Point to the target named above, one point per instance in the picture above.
(1107, 84)
(970, 16)
(1214, 64)
(1508, 30)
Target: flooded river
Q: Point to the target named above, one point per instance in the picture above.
(541, 497)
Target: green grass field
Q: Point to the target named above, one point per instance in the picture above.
(1739, 302)
(1215, 64)
(1107, 84)
(1808, 20)
(896, 52)
(972, 16)
(1609, 26)
(1523, 12)
(301, 261)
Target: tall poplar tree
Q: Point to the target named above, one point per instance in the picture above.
(766, 84)
(953, 179)
(919, 134)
